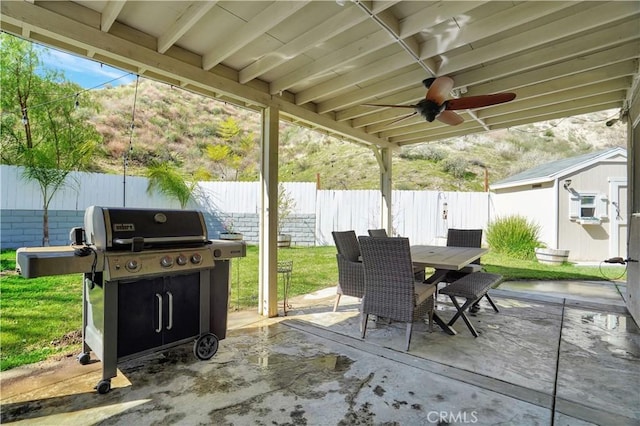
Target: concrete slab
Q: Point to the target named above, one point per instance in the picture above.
(534, 363)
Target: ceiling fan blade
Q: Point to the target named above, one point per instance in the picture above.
(440, 89)
(390, 106)
(480, 101)
(402, 118)
(450, 117)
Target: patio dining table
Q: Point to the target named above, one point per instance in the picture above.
(443, 259)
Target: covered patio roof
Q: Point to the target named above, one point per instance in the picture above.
(319, 61)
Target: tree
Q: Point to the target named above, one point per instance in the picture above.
(234, 154)
(44, 126)
(168, 180)
(286, 206)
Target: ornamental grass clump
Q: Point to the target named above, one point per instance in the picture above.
(514, 236)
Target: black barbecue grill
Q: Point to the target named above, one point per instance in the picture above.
(152, 280)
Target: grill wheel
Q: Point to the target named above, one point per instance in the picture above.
(205, 346)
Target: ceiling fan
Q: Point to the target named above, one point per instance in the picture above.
(436, 105)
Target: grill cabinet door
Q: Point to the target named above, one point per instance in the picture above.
(138, 310)
(182, 307)
(157, 312)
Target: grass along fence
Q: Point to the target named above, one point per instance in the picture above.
(42, 317)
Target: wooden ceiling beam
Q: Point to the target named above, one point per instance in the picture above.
(189, 17)
(110, 13)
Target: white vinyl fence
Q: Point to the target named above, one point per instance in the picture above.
(419, 215)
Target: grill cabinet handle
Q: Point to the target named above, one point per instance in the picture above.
(159, 329)
(170, 325)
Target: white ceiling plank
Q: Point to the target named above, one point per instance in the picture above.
(375, 68)
(550, 98)
(340, 22)
(501, 21)
(621, 72)
(567, 105)
(561, 51)
(406, 97)
(581, 22)
(245, 34)
(563, 82)
(189, 17)
(370, 93)
(439, 129)
(355, 50)
(434, 15)
(537, 76)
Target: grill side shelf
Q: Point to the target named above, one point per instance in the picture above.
(34, 262)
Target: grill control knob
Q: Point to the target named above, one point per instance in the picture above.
(181, 260)
(131, 265)
(166, 262)
(196, 258)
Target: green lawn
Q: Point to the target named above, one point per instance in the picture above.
(42, 317)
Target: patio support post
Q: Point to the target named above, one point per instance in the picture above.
(633, 207)
(268, 249)
(386, 214)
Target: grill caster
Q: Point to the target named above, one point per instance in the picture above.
(205, 346)
(84, 358)
(103, 386)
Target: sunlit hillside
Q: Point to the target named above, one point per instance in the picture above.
(174, 125)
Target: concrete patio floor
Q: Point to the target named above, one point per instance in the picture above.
(558, 353)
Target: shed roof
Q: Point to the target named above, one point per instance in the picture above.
(555, 169)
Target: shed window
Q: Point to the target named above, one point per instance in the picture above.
(588, 208)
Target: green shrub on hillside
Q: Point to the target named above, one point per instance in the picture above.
(514, 236)
(455, 166)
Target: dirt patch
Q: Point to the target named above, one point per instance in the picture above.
(71, 338)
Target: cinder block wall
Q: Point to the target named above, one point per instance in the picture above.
(301, 227)
(23, 228)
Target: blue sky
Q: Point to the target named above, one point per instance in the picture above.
(87, 73)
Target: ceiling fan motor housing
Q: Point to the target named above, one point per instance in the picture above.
(429, 109)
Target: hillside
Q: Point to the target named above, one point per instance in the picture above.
(181, 127)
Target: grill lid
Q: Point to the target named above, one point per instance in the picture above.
(137, 229)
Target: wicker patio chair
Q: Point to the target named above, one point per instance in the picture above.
(382, 233)
(463, 238)
(379, 233)
(350, 269)
(390, 287)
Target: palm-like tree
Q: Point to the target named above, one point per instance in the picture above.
(167, 179)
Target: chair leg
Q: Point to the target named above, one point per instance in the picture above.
(493, 305)
(409, 328)
(335, 305)
(363, 324)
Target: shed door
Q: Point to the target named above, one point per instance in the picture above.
(618, 217)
